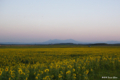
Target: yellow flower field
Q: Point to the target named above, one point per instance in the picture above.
(83, 63)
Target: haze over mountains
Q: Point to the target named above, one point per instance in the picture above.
(58, 41)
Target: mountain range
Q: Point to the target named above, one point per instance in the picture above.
(57, 41)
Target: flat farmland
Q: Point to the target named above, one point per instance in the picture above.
(59, 62)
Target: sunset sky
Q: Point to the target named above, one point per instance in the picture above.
(42, 20)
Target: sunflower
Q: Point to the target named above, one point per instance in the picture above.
(6, 69)
(0, 73)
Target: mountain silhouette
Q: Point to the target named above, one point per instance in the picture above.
(57, 41)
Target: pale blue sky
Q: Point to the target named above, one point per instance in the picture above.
(41, 20)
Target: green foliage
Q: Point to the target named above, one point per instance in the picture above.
(59, 63)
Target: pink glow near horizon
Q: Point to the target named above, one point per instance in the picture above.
(82, 21)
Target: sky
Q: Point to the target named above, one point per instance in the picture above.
(42, 20)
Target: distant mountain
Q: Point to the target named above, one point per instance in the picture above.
(113, 42)
(57, 41)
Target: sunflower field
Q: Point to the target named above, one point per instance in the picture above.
(77, 63)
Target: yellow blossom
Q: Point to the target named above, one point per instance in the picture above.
(73, 70)
(83, 67)
(36, 77)
(34, 73)
(46, 78)
(119, 60)
(69, 66)
(20, 71)
(91, 69)
(46, 70)
(74, 77)
(86, 78)
(78, 67)
(74, 74)
(13, 75)
(6, 69)
(26, 78)
(23, 73)
(61, 72)
(42, 72)
(38, 74)
(60, 76)
(0, 69)
(68, 72)
(86, 72)
(0, 73)
(9, 78)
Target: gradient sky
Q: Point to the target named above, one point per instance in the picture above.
(41, 20)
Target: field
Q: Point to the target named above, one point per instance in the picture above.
(59, 62)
